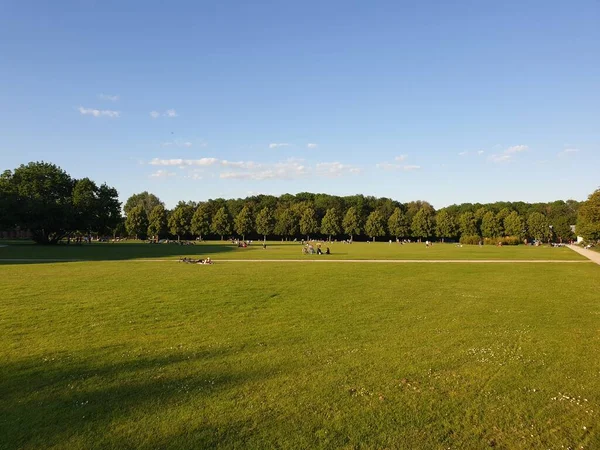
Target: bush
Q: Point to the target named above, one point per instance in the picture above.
(507, 240)
(470, 240)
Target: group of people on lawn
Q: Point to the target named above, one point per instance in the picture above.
(308, 249)
(196, 261)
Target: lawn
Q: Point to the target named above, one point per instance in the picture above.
(287, 355)
(285, 250)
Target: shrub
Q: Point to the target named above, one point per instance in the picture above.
(470, 240)
(507, 240)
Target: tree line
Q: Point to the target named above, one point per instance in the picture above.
(307, 215)
(44, 199)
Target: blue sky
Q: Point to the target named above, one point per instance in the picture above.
(443, 101)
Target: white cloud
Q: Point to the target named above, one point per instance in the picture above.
(397, 165)
(292, 168)
(284, 170)
(480, 152)
(500, 158)
(571, 150)
(312, 145)
(278, 145)
(162, 174)
(112, 98)
(508, 154)
(98, 112)
(170, 113)
(392, 166)
(176, 143)
(335, 169)
(154, 114)
(184, 162)
(463, 153)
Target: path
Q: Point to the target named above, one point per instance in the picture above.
(396, 261)
(589, 254)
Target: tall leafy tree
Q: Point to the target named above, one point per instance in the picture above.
(538, 226)
(243, 222)
(423, 224)
(398, 224)
(514, 225)
(109, 207)
(85, 205)
(467, 224)
(445, 225)
(200, 221)
(330, 224)
(490, 225)
(221, 222)
(308, 222)
(265, 222)
(157, 221)
(40, 195)
(588, 219)
(286, 223)
(352, 222)
(146, 199)
(375, 225)
(137, 222)
(180, 219)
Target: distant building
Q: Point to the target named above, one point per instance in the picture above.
(579, 238)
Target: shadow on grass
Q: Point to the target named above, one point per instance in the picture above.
(25, 253)
(54, 402)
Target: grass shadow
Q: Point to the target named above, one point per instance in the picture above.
(72, 399)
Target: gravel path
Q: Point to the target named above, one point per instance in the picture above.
(396, 261)
(589, 254)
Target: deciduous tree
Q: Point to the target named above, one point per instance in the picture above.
(375, 225)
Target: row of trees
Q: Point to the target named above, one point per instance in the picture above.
(307, 215)
(44, 199)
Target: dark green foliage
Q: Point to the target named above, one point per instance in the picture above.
(43, 198)
(588, 220)
(221, 222)
(330, 225)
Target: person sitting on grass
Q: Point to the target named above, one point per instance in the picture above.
(319, 251)
(327, 252)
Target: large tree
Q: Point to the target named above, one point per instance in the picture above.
(375, 225)
(44, 199)
(180, 219)
(423, 223)
(352, 223)
(146, 199)
(286, 223)
(445, 225)
(490, 225)
(42, 194)
(243, 222)
(330, 224)
(538, 226)
(398, 224)
(588, 219)
(467, 224)
(157, 221)
(514, 225)
(308, 222)
(221, 222)
(200, 221)
(137, 222)
(265, 222)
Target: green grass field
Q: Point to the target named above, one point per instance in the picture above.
(284, 250)
(288, 355)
